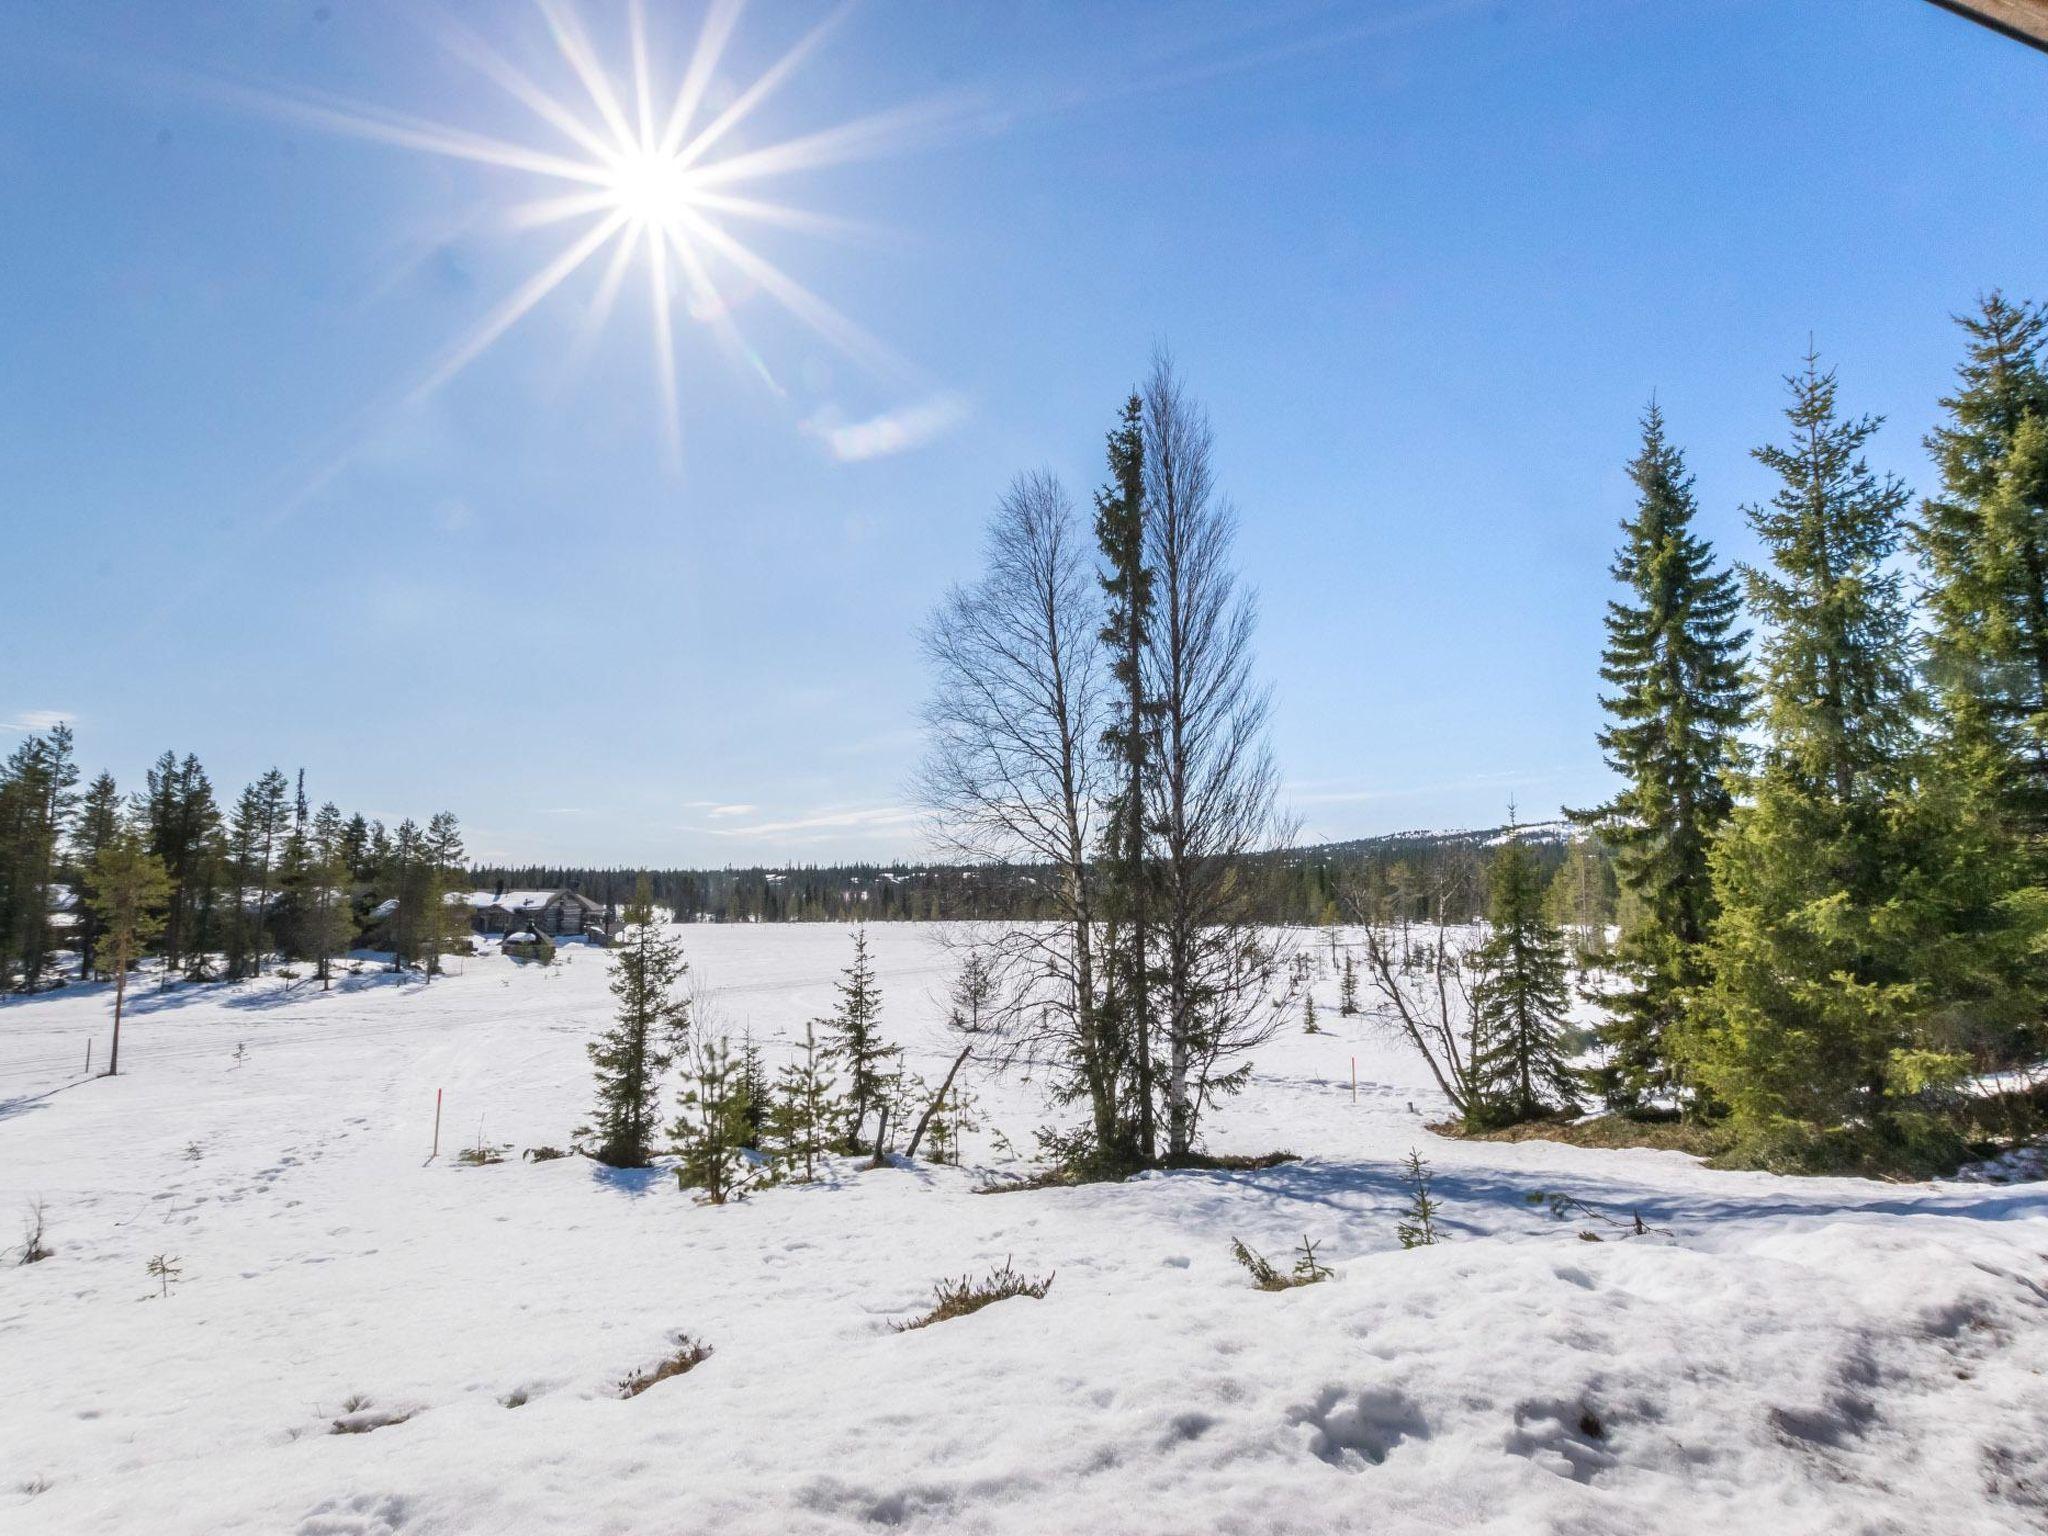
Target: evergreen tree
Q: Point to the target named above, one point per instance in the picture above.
(1520, 998)
(1124, 1016)
(711, 1131)
(639, 1048)
(130, 889)
(443, 923)
(806, 1109)
(857, 1048)
(1984, 541)
(1980, 822)
(256, 833)
(1813, 988)
(38, 795)
(757, 1100)
(1347, 991)
(328, 919)
(99, 821)
(1673, 659)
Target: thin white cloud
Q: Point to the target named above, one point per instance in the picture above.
(36, 721)
(733, 810)
(836, 821)
(898, 431)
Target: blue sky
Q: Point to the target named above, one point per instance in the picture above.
(1424, 262)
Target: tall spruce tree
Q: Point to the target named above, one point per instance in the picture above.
(1519, 1000)
(1813, 996)
(632, 1056)
(130, 890)
(1984, 541)
(1125, 1014)
(1981, 819)
(1673, 661)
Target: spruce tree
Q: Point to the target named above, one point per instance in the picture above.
(1813, 987)
(756, 1097)
(1125, 1013)
(711, 1131)
(632, 1056)
(1673, 660)
(1984, 541)
(857, 1048)
(1520, 998)
(1347, 990)
(806, 1109)
(1980, 822)
(443, 923)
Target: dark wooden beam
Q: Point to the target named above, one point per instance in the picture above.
(2024, 21)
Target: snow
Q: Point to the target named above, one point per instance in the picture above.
(1802, 1356)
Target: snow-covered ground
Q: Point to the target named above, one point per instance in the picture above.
(1795, 1356)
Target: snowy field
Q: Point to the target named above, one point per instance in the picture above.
(1795, 1356)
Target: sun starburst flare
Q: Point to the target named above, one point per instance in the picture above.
(646, 174)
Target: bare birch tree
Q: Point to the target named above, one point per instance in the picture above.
(1014, 716)
(1212, 796)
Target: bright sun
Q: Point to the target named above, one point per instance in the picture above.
(646, 173)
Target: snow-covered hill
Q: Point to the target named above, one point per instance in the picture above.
(1794, 1356)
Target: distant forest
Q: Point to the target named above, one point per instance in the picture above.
(1424, 876)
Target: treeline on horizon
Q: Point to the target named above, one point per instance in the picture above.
(1429, 875)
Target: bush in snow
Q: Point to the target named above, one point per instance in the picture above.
(32, 1249)
(163, 1269)
(689, 1354)
(1308, 1269)
(957, 1298)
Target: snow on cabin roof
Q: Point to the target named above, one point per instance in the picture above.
(519, 901)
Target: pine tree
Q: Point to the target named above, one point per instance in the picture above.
(806, 1109)
(1125, 1014)
(1308, 1014)
(443, 924)
(38, 795)
(1520, 998)
(711, 1131)
(1347, 992)
(639, 1048)
(1813, 988)
(130, 889)
(1674, 662)
(99, 821)
(327, 924)
(256, 833)
(857, 1048)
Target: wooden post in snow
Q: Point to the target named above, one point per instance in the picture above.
(437, 1127)
(1354, 1079)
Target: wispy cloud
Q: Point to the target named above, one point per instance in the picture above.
(821, 825)
(898, 431)
(732, 810)
(35, 721)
